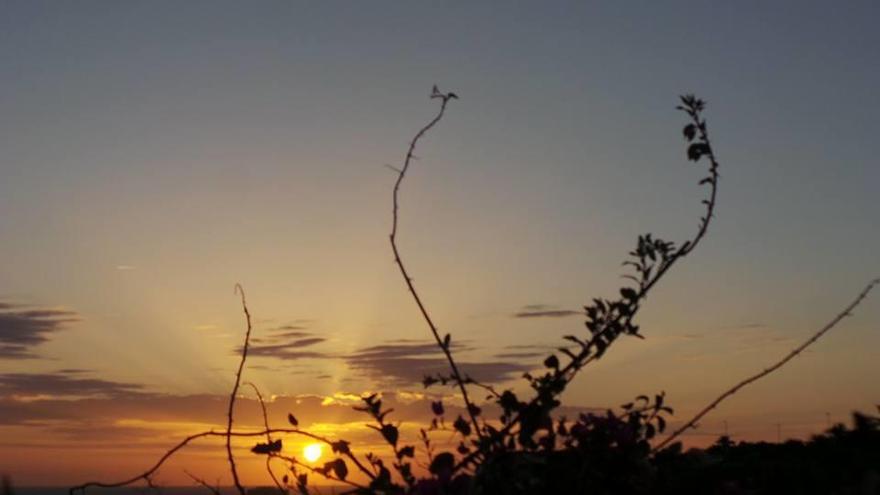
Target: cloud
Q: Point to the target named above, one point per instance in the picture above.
(408, 362)
(544, 311)
(520, 355)
(745, 326)
(289, 344)
(64, 383)
(23, 329)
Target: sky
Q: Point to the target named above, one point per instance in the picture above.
(154, 154)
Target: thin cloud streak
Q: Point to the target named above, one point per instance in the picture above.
(23, 329)
(408, 362)
(544, 311)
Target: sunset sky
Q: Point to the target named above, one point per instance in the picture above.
(154, 154)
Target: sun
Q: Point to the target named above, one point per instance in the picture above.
(312, 452)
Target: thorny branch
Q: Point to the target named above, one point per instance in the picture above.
(268, 436)
(442, 342)
(239, 290)
(791, 355)
(213, 489)
(296, 462)
(555, 382)
(210, 433)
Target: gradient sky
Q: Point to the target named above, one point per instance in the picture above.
(153, 154)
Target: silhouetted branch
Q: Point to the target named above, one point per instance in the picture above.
(211, 433)
(693, 107)
(326, 474)
(771, 369)
(213, 489)
(268, 436)
(442, 342)
(609, 319)
(239, 290)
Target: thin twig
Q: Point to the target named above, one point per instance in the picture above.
(239, 290)
(791, 355)
(214, 490)
(444, 345)
(586, 355)
(210, 433)
(296, 462)
(268, 436)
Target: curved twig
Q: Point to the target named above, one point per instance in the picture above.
(210, 433)
(441, 342)
(585, 356)
(565, 374)
(297, 462)
(788, 357)
(239, 290)
(213, 489)
(268, 436)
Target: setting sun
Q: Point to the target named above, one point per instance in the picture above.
(312, 452)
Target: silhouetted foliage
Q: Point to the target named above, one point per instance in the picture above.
(841, 461)
(528, 448)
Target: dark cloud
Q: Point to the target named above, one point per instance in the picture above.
(67, 383)
(23, 329)
(550, 313)
(73, 370)
(520, 355)
(527, 346)
(745, 326)
(288, 345)
(407, 362)
(544, 311)
(295, 334)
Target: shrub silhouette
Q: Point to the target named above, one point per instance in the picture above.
(527, 448)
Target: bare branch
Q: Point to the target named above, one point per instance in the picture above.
(441, 342)
(240, 290)
(200, 481)
(268, 436)
(791, 355)
(211, 433)
(325, 474)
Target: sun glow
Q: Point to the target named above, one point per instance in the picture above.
(312, 452)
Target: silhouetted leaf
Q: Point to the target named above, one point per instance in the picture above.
(390, 433)
(340, 469)
(690, 131)
(340, 447)
(629, 293)
(437, 408)
(292, 419)
(267, 448)
(442, 464)
(696, 151)
(462, 426)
